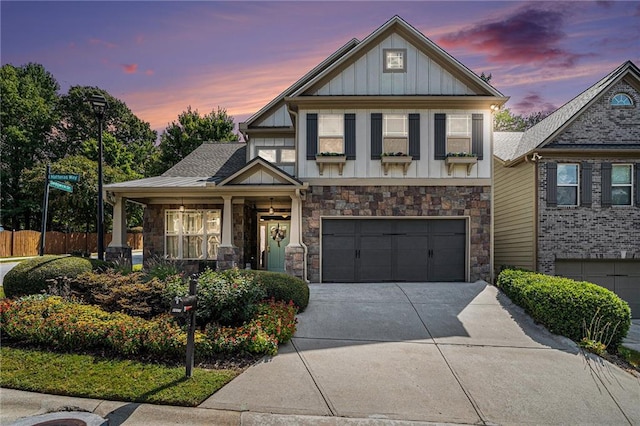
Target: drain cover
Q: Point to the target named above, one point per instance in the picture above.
(65, 418)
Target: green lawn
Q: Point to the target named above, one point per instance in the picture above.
(92, 377)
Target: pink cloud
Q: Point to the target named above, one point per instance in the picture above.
(534, 102)
(130, 68)
(149, 72)
(527, 35)
(98, 42)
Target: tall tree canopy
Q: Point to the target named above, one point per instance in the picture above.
(28, 112)
(180, 138)
(505, 121)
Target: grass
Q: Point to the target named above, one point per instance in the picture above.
(2, 296)
(632, 357)
(119, 380)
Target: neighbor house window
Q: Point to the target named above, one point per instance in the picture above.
(621, 99)
(459, 133)
(395, 60)
(395, 133)
(192, 234)
(621, 184)
(567, 181)
(331, 133)
(283, 158)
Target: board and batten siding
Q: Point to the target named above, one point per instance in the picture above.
(514, 216)
(366, 77)
(364, 167)
(279, 118)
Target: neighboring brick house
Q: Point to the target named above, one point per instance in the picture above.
(346, 175)
(567, 191)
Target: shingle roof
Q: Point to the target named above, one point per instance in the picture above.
(540, 134)
(212, 159)
(505, 144)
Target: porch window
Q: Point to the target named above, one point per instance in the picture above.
(192, 234)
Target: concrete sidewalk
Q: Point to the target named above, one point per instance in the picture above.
(435, 352)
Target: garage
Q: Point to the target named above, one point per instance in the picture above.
(620, 276)
(377, 250)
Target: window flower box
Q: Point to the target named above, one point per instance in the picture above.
(464, 158)
(396, 159)
(330, 158)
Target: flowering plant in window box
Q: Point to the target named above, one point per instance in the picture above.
(394, 154)
(396, 158)
(466, 158)
(323, 158)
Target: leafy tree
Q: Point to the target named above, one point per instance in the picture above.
(76, 211)
(180, 138)
(27, 114)
(78, 125)
(505, 121)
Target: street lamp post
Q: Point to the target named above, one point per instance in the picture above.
(100, 105)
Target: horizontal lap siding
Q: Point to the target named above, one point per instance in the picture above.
(514, 229)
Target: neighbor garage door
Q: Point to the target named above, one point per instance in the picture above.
(619, 276)
(374, 250)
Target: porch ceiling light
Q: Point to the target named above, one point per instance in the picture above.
(271, 208)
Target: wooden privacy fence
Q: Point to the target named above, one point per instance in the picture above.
(27, 243)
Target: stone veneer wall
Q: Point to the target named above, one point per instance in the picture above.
(585, 232)
(401, 201)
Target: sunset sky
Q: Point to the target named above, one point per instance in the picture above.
(159, 57)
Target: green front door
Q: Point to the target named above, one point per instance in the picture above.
(277, 240)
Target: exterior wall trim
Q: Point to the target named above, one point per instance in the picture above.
(399, 182)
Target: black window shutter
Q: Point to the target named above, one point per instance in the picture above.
(637, 182)
(552, 184)
(376, 136)
(312, 136)
(477, 138)
(605, 189)
(414, 136)
(586, 183)
(350, 136)
(440, 128)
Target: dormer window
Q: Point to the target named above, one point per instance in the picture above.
(395, 60)
(621, 99)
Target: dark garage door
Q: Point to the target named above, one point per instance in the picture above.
(374, 250)
(619, 276)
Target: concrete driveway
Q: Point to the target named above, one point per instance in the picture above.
(435, 352)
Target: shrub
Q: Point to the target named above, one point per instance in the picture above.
(282, 287)
(114, 291)
(163, 268)
(565, 306)
(30, 276)
(227, 298)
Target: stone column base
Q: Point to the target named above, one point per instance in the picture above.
(120, 255)
(228, 258)
(294, 261)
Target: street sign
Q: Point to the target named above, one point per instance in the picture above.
(65, 177)
(61, 186)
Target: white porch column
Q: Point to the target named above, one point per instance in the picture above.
(294, 235)
(119, 232)
(227, 222)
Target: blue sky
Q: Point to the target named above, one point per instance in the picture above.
(160, 57)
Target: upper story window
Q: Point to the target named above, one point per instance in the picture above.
(284, 158)
(459, 130)
(192, 234)
(567, 181)
(621, 99)
(395, 133)
(621, 184)
(395, 60)
(331, 133)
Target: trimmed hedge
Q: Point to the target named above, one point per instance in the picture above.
(566, 306)
(30, 276)
(282, 287)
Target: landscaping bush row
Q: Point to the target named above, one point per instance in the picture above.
(65, 325)
(570, 308)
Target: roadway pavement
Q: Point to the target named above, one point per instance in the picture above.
(400, 354)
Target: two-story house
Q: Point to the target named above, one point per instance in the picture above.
(567, 190)
(374, 166)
